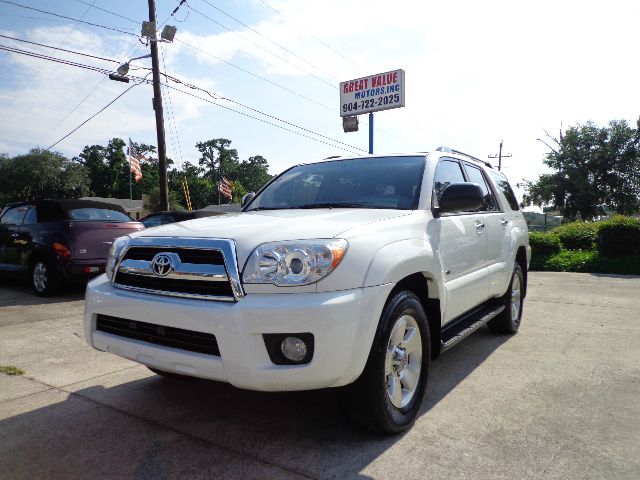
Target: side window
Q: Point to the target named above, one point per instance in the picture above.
(447, 172)
(475, 176)
(505, 188)
(31, 218)
(13, 216)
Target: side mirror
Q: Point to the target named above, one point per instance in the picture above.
(461, 197)
(247, 198)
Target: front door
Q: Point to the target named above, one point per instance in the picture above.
(9, 234)
(462, 244)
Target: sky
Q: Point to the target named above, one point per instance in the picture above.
(476, 73)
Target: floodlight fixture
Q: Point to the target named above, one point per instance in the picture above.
(168, 32)
(350, 124)
(148, 30)
(123, 69)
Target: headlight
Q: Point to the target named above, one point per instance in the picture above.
(116, 249)
(298, 262)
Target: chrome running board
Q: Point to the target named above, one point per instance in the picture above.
(470, 329)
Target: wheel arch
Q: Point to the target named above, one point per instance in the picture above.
(521, 259)
(418, 284)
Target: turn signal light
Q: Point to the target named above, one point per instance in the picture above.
(61, 250)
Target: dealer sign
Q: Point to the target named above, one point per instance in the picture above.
(372, 94)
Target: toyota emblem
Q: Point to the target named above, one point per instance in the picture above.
(162, 265)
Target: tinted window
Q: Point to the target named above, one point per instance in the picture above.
(383, 182)
(503, 185)
(97, 215)
(475, 176)
(31, 218)
(447, 172)
(14, 216)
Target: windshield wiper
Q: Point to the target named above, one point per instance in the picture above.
(334, 205)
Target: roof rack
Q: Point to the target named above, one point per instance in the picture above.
(451, 150)
(332, 157)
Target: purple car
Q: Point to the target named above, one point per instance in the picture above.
(56, 240)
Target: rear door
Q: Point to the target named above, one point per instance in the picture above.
(462, 246)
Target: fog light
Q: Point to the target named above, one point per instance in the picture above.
(294, 349)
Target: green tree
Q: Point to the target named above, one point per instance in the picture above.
(595, 168)
(253, 173)
(41, 174)
(217, 159)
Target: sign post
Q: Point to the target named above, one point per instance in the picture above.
(374, 93)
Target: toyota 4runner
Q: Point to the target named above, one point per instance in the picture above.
(351, 272)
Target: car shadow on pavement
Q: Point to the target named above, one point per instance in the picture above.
(17, 291)
(157, 427)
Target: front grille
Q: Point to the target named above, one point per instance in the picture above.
(193, 268)
(163, 284)
(159, 335)
(187, 255)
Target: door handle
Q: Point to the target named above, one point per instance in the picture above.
(479, 227)
(504, 222)
(14, 235)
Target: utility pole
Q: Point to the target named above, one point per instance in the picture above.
(499, 156)
(157, 106)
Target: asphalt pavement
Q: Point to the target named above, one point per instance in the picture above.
(559, 400)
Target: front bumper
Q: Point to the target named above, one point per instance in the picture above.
(343, 324)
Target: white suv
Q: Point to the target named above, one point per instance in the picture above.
(350, 272)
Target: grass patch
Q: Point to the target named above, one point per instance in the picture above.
(11, 370)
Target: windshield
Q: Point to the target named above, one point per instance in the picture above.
(380, 182)
(98, 215)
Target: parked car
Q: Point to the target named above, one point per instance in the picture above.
(352, 273)
(162, 218)
(56, 240)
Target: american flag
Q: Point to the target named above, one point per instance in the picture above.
(134, 161)
(224, 187)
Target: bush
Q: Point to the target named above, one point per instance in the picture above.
(578, 235)
(571, 261)
(619, 237)
(544, 244)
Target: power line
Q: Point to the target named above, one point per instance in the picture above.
(349, 148)
(58, 48)
(268, 115)
(93, 116)
(311, 35)
(298, 67)
(270, 40)
(103, 80)
(112, 13)
(69, 18)
(255, 75)
(175, 138)
(263, 120)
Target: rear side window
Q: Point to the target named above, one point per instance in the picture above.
(475, 176)
(31, 218)
(505, 188)
(97, 215)
(14, 216)
(447, 172)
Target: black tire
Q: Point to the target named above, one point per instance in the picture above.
(367, 400)
(43, 277)
(508, 321)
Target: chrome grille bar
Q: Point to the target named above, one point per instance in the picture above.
(201, 280)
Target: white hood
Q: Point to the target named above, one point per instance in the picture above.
(251, 229)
